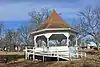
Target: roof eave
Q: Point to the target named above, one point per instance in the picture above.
(53, 29)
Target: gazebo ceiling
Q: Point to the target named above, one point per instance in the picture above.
(57, 37)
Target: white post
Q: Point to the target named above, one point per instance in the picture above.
(26, 53)
(48, 36)
(85, 55)
(47, 42)
(76, 47)
(67, 35)
(28, 56)
(33, 53)
(81, 54)
(67, 41)
(69, 48)
(76, 41)
(57, 55)
(43, 53)
(35, 44)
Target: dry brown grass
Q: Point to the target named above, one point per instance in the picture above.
(11, 53)
(90, 61)
(75, 63)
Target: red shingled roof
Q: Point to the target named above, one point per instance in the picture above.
(54, 21)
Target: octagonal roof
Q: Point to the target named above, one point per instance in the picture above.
(54, 21)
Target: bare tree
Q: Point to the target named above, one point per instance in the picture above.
(1, 27)
(16, 39)
(39, 17)
(11, 38)
(1, 31)
(90, 23)
(25, 34)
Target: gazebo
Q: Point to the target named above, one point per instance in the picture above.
(54, 29)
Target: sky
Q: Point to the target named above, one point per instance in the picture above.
(14, 13)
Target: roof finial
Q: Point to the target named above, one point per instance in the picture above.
(54, 10)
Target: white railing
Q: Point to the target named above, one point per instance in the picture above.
(59, 51)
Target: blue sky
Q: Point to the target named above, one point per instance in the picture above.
(15, 12)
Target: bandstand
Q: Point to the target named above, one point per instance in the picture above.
(54, 29)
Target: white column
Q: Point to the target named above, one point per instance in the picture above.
(48, 36)
(35, 44)
(76, 41)
(33, 53)
(43, 53)
(26, 53)
(67, 41)
(47, 42)
(76, 48)
(67, 35)
(69, 48)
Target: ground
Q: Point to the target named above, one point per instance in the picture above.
(11, 53)
(90, 61)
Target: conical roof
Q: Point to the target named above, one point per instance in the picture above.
(54, 21)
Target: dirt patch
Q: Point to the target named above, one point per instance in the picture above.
(90, 61)
(11, 53)
(74, 63)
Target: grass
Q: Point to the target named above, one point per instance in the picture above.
(11, 53)
(10, 56)
(89, 61)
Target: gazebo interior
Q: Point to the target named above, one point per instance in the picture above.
(55, 40)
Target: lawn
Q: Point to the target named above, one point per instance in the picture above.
(90, 61)
(11, 53)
